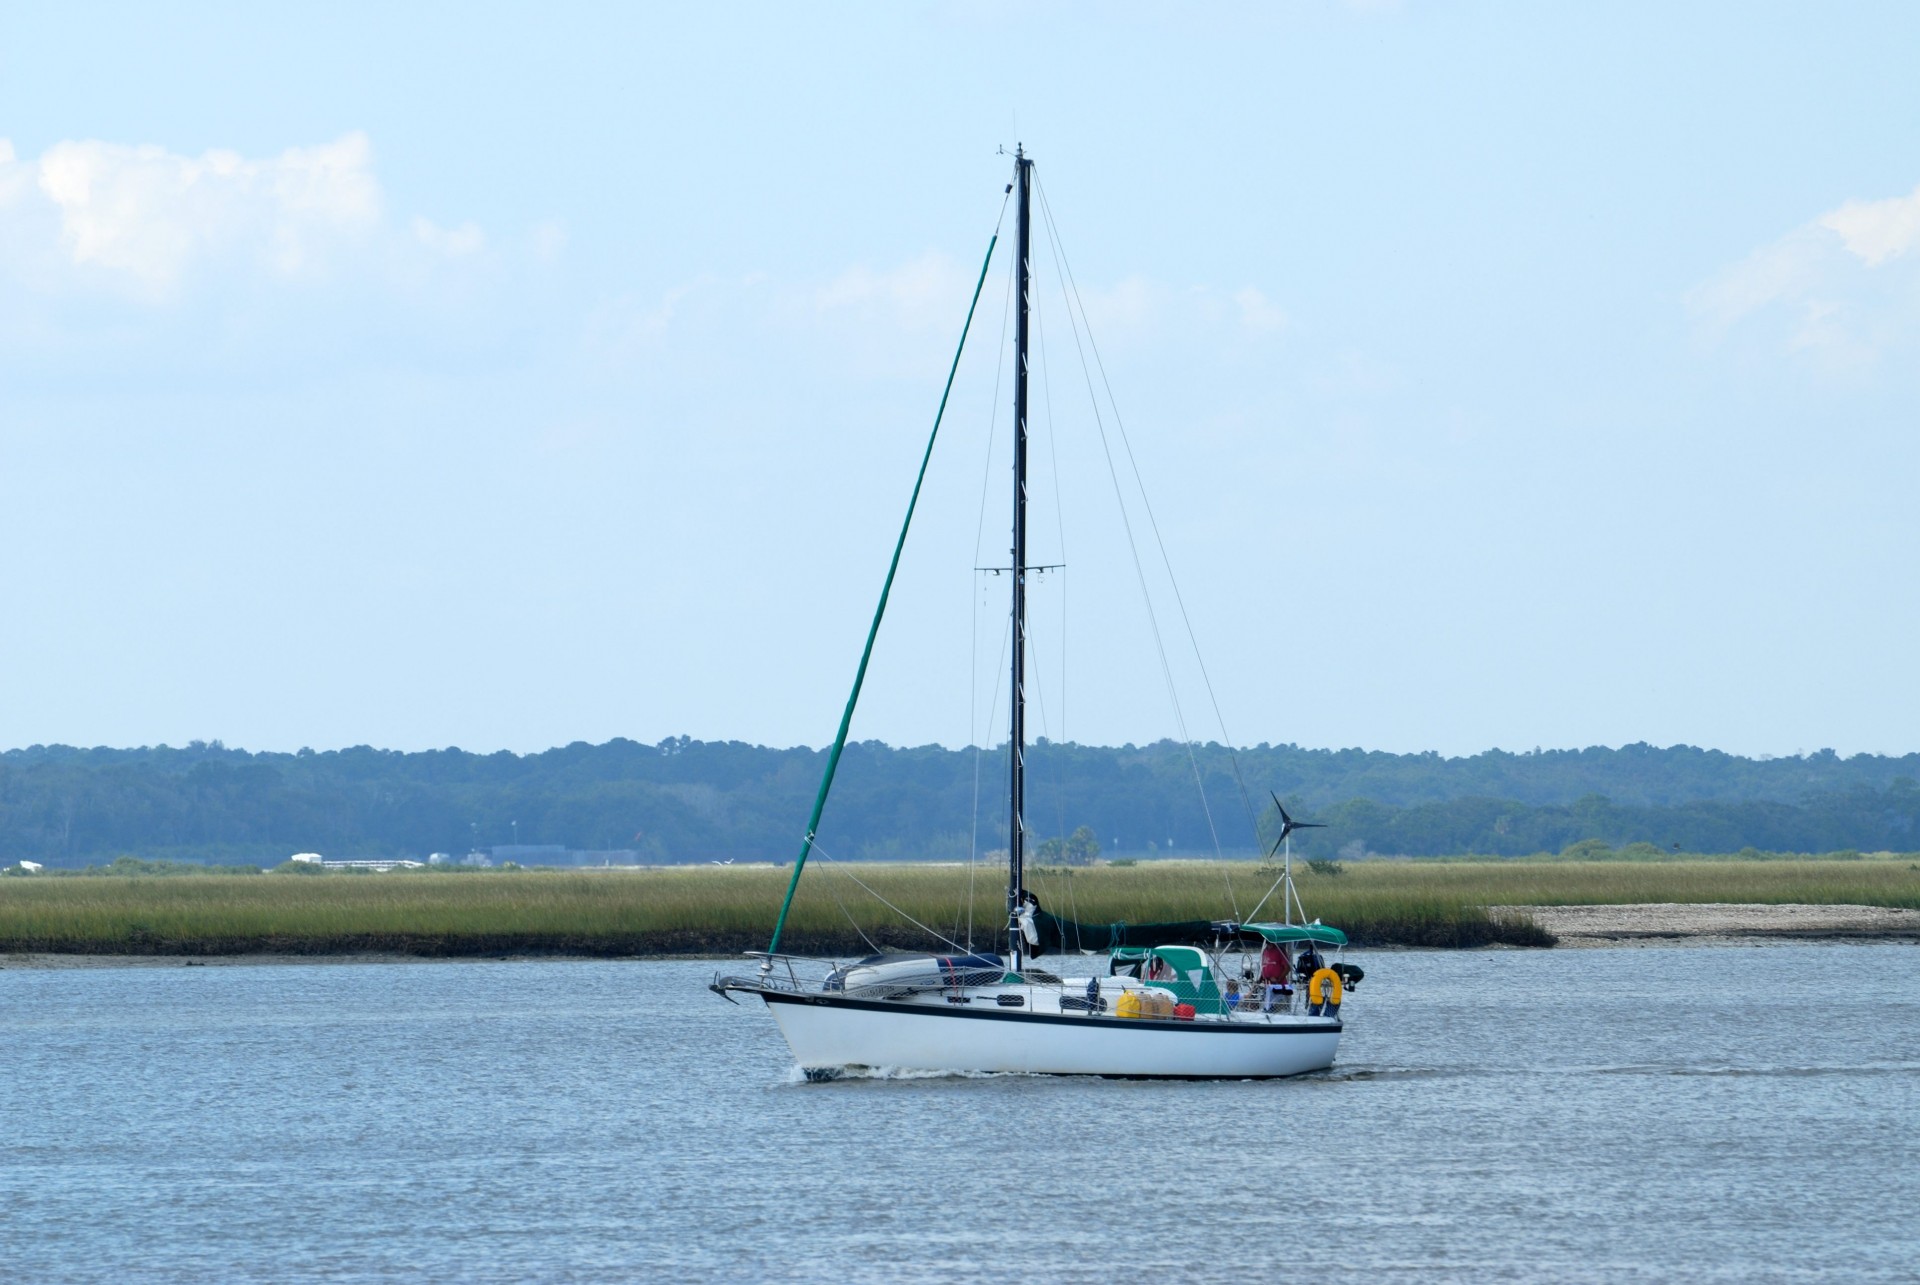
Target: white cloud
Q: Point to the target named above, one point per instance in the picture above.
(1129, 305)
(1256, 312)
(899, 320)
(931, 290)
(1832, 290)
(452, 242)
(150, 216)
(149, 223)
(1876, 231)
(549, 240)
(157, 267)
(628, 327)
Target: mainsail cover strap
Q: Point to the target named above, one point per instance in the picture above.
(873, 631)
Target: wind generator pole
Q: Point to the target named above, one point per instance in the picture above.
(1286, 906)
(1017, 720)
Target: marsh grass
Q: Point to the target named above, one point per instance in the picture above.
(709, 910)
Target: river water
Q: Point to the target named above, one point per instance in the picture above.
(1733, 1113)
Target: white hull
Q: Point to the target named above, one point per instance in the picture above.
(827, 1033)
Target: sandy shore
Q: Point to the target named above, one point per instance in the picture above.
(1716, 923)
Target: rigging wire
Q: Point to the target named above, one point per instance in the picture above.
(840, 868)
(1166, 670)
(1059, 506)
(980, 534)
(1060, 528)
(880, 611)
(973, 660)
(1060, 818)
(834, 892)
(1006, 636)
(1193, 641)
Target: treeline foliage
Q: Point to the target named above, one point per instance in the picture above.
(685, 800)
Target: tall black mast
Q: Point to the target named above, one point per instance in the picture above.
(1017, 722)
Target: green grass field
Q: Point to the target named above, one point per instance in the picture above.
(709, 910)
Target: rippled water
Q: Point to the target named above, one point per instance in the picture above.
(1676, 1114)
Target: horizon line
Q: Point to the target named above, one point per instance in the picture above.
(216, 745)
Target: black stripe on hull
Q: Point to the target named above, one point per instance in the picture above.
(971, 1014)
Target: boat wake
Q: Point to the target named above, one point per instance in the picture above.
(1769, 1072)
(1347, 1075)
(839, 1074)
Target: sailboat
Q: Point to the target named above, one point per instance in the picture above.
(1204, 999)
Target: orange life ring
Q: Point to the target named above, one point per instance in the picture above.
(1317, 987)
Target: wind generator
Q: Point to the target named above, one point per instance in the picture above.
(1287, 826)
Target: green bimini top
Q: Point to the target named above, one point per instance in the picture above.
(1298, 932)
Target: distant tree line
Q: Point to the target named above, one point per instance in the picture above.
(686, 800)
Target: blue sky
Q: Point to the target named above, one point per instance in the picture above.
(507, 376)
